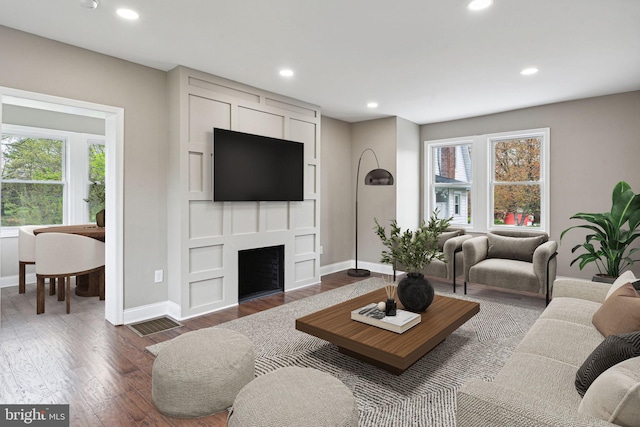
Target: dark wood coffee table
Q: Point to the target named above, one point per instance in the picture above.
(385, 349)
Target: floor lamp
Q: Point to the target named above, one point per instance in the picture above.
(375, 177)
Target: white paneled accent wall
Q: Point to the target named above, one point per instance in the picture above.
(205, 236)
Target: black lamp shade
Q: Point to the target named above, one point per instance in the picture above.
(379, 177)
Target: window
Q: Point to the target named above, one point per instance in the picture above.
(509, 179)
(516, 185)
(49, 177)
(451, 181)
(33, 180)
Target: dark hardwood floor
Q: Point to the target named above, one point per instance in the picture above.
(103, 371)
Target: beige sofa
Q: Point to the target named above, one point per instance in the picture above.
(536, 387)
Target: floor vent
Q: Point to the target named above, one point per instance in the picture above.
(153, 326)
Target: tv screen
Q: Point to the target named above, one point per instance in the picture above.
(250, 167)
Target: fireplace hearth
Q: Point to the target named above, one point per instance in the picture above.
(260, 272)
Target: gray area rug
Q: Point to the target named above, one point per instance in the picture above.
(425, 394)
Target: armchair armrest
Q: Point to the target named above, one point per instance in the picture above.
(543, 257)
(451, 247)
(482, 403)
(580, 288)
(474, 250)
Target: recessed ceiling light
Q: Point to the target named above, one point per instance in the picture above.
(479, 4)
(372, 105)
(286, 72)
(128, 14)
(89, 4)
(529, 71)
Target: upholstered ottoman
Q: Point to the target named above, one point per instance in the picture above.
(201, 372)
(294, 397)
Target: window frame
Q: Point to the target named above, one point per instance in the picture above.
(482, 174)
(75, 170)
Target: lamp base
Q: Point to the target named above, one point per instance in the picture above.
(358, 272)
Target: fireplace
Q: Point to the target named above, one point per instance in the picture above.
(260, 272)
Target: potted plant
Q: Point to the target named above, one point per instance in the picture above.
(611, 234)
(96, 201)
(414, 250)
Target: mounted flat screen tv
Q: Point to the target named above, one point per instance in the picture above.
(249, 167)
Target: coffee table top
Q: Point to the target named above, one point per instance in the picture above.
(388, 350)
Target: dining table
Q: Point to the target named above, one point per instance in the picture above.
(87, 285)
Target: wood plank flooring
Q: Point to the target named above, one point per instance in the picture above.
(103, 371)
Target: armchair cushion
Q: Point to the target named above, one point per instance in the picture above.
(518, 248)
(620, 313)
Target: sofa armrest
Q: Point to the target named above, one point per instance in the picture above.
(482, 403)
(474, 250)
(580, 288)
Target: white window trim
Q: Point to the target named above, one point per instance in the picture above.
(482, 174)
(75, 170)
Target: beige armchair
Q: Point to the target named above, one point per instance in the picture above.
(450, 243)
(512, 259)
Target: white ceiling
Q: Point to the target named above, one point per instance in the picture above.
(424, 60)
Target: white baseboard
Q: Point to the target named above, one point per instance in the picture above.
(9, 281)
(146, 312)
(340, 266)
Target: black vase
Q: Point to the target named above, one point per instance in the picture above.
(415, 292)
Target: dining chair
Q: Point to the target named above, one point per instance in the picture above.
(27, 256)
(61, 255)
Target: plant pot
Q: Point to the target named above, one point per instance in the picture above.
(602, 278)
(100, 218)
(415, 292)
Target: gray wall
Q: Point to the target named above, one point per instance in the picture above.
(336, 219)
(37, 64)
(595, 143)
(374, 201)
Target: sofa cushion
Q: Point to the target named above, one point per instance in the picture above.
(540, 377)
(615, 395)
(574, 310)
(620, 313)
(566, 342)
(518, 248)
(614, 349)
(624, 278)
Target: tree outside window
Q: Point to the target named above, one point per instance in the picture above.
(32, 181)
(96, 196)
(517, 184)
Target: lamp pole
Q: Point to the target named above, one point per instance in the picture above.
(375, 177)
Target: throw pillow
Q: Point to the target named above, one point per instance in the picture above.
(518, 248)
(615, 395)
(620, 313)
(625, 277)
(611, 351)
(443, 237)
